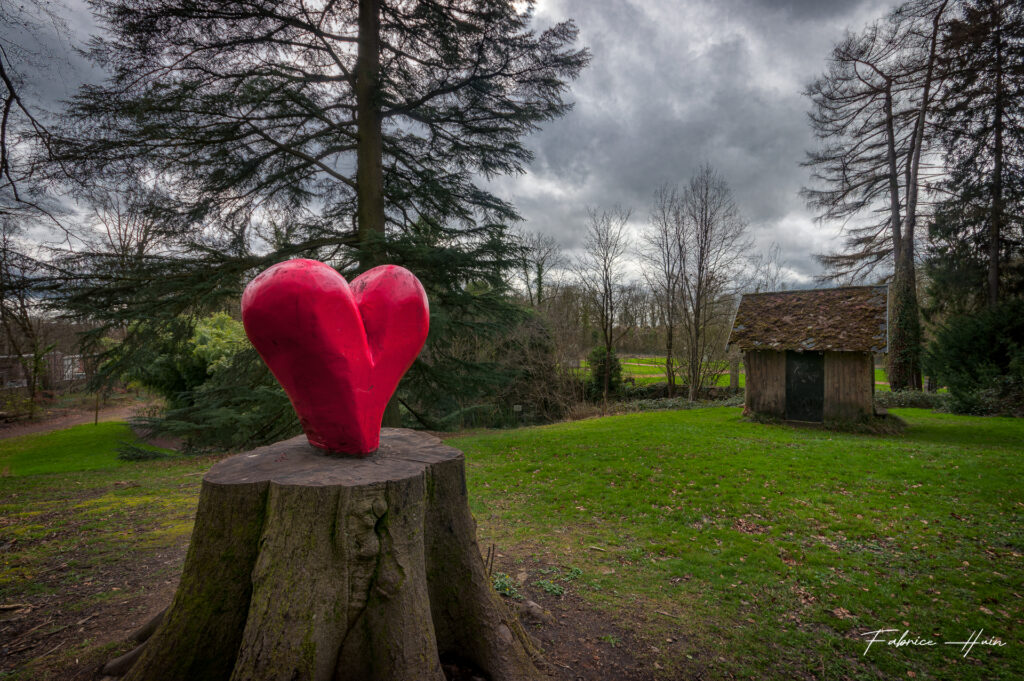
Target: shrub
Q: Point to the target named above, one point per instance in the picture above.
(912, 398)
(183, 359)
(647, 391)
(602, 362)
(667, 403)
(526, 385)
(980, 357)
(534, 381)
(220, 394)
(130, 452)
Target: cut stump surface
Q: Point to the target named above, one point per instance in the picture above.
(305, 565)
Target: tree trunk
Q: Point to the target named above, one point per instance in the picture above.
(370, 141)
(670, 371)
(693, 368)
(904, 328)
(607, 374)
(996, 219)
(904, 314)
(309, 566)
(540, 284)
(370, 156)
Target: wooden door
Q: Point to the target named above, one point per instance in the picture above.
(805, 386)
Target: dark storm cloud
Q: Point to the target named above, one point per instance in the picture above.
(42, 44)
(673, 85)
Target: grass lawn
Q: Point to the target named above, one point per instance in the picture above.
(731, 549)
(761, 551)
(881, 381)
(82, 448)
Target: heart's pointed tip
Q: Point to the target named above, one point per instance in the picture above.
(353, 443)
(344, 450)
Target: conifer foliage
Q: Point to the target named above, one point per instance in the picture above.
(355, 132)
(978, 231)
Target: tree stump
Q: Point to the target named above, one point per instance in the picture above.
(305, 565)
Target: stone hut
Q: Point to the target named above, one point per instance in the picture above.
(809, 355)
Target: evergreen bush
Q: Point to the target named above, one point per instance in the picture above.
(220, 394)
(980, 357)
(602, 362)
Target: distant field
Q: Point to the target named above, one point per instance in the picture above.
(651, 370)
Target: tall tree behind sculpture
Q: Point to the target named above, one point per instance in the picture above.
(871, 114)
(327, 131)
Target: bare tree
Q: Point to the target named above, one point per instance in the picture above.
(24, 329)
(541, 261)
(661, 256)
(767, 270)
(712, 248)
(567, 314)
(124, 228)
(635, 316)
(600, 270)
(29, 27)
(871, 112)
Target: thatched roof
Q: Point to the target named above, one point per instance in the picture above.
(852, 318)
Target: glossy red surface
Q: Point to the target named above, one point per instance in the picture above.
(338, 350)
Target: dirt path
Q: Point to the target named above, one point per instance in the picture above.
(74, 417)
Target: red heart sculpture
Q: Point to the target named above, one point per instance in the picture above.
(338, 350)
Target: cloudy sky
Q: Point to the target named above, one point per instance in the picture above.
(676, 84)
(672, 84)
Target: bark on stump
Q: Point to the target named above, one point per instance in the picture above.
(304, 565)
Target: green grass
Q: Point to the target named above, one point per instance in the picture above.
(771, 549)
(761, 551)
(881, 381)
(81, 448)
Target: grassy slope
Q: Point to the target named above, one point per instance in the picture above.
(760, 551)
(87, 447)
(775, 547)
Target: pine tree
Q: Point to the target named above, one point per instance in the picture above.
(981, 118)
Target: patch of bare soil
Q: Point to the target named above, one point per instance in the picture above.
(68, 634)
(581, 644)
